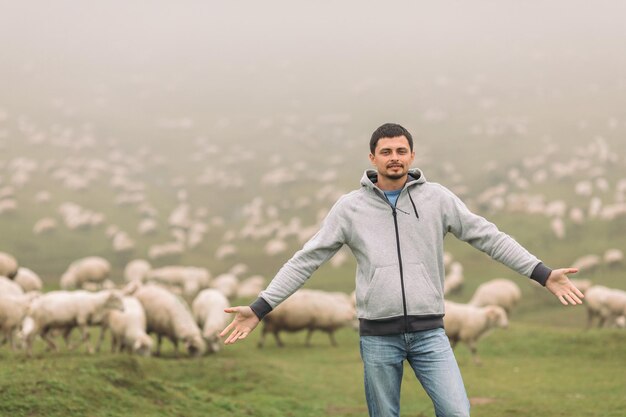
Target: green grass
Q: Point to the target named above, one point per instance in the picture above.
(527, 370)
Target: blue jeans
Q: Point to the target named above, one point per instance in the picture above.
(430, 355)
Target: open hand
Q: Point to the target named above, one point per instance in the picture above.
(559, 284)
(244, 322)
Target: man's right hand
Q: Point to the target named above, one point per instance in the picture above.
(244, 322)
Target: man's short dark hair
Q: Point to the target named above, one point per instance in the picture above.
(389, 130)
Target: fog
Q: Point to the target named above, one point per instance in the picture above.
(124, 64)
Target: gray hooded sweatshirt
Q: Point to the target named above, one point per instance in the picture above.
(399, 253)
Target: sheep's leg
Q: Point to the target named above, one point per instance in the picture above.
(85, 338)
(175, 343)
(262, 338)
(278, 341)
(45, 335)
(66, 337)
(307, 342)
(476, 359)
(103, 330)
(159, 340)
(333, 341)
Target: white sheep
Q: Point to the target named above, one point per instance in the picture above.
(613, 257)
(168, 315)
(128, 329)
(136, 270)
(454, 279)
(226, 283)
(9, 287)
(187, 280)
(595, 301)
(251, 287)
(90, 269)
(501, 292)
(13, 309)
(310, 310)
(8, 265)
(587, 263)
(616, 306)
(466, 323)
(208, 311)
(28, 280)
(66, 310)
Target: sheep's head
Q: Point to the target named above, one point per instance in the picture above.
(497, 316)
(68, 280)
(195, 345)
(143, 345)
(114, 302)
(213, 342)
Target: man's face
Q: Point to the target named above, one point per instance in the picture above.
(392, 157)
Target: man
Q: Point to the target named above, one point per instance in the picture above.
(395, 225)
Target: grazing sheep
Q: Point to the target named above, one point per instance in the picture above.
(137, 270)
(128, 329)
(251, 287)
(45, 225)
(66, 310)
(8, 265)
(8, 287)
(168, 315)
(587, 263)
(454, 280)
(467, 323)
(13, 309)
(208, 311)
(28, 280)
(595, 301)
(90, 269)
(187, 280)
(311, 310)
(613, 257)
(501, 292)
(226, 283)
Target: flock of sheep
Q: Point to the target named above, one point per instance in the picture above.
(186, 306)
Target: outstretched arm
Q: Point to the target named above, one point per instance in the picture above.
(559, 284)
(244, 322)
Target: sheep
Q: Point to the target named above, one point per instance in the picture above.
(66, 310)
(45, 225)
(454, 279)
(8, 265)
(595, 301)
(13, 309)
(502, 292)
(467, 324)
(586, 263)
(188, 279)
(251, 287)
(28, 280)
(311, 310)
(226, 284)
(208, 311)
(90, 269)
(8, 287)
(128, 329)
(168, 315)
(136, 270)
(613, 257)
(616, 306)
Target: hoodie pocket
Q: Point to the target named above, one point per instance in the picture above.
(422, 295)
(383, 298)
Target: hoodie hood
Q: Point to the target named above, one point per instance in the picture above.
(370, 178)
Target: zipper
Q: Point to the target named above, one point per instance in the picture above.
(395, 223)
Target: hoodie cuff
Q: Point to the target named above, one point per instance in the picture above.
(541, 273)
(260, 307)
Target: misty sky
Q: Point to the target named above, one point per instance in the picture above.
(259, 57)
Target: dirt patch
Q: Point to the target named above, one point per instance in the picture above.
(481, 400)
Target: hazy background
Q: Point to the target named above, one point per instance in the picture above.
(299, 86)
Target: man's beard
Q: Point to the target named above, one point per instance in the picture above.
(395, 176)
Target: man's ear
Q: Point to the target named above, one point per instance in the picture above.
(372, 158)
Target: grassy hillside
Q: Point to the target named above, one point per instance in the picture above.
(527, 370)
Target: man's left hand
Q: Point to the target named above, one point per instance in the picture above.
(559, 284)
